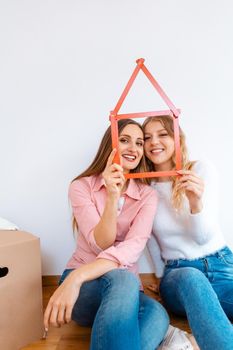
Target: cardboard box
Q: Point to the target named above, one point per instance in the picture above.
(21, 312)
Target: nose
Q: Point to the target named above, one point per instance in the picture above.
(132, 147)
(154, 140)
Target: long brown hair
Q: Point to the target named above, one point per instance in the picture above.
(105, 148)
(167, 123)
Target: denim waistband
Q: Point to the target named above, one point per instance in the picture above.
(217, 253)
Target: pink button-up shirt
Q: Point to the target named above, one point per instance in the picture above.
(134, 222)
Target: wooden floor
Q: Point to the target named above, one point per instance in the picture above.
(72, 336)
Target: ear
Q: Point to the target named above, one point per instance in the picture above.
(3, 271)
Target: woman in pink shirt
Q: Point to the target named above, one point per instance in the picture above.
(100, 286)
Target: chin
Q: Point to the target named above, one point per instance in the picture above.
(128, 169)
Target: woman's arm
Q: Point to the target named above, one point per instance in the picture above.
(98, 230)
(106, 230)
(127, 252)
(193, 186)
(201, 189)
(61, 303)
(155, 254)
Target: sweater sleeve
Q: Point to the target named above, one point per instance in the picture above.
(203, 224)
(155, 254)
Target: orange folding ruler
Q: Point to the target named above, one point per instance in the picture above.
(173, 112)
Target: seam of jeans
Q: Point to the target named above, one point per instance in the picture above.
(101, 316)
(100, 328)
(225, 302)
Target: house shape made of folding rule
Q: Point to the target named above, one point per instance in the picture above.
(172, 111)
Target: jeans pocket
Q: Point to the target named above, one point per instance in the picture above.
(227, 257)
(172, 264)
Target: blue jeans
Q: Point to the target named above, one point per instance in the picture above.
(202, 289)
(121, 316)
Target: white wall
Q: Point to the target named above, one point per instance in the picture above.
(63, 65)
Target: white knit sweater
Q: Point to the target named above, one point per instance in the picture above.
(180, 234)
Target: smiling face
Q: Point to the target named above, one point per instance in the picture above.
(131, 147)
(159, 146)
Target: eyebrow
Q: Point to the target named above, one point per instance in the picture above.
(125, 135)
(157, 131)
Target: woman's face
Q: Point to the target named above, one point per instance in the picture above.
(159, 146)
(131, 142)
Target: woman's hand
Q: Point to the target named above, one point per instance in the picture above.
(193, 186)
(113, 176)
(60, 306)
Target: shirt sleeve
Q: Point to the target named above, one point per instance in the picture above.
(204, 225)
(85, 212)
(127, 253)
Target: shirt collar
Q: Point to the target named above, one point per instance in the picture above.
(132, 191)
(98, 183)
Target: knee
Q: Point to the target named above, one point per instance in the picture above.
(120, 306)
(121, 293)
(187, 276)
(154, 322)
(156, 313)
(122, 280)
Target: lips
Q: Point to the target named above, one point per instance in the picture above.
(157, 150)
(129, 157)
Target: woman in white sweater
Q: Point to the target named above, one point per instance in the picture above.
(187, 245)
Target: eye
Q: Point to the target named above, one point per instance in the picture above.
(123, 140)
(140, 143)
(146, 138)
(163, 134)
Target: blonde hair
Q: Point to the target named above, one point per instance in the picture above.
(98, 164)
(167, 123)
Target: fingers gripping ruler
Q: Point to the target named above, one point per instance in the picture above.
(172, 111)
